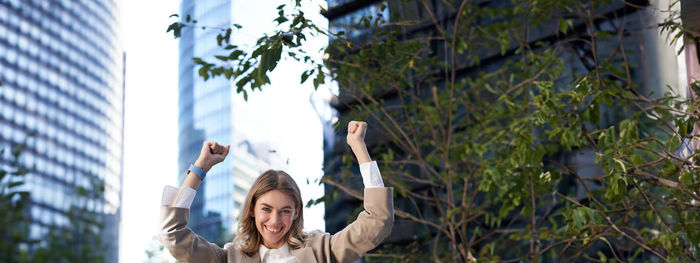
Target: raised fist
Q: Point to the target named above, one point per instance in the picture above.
(211, 154)
(356, 134)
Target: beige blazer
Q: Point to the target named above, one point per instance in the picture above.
(372, 226)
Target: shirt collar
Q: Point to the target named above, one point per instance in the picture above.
(284, 249)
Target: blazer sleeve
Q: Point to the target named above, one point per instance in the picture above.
(370, 228)
(182, 242)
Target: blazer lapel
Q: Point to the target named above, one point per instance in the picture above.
(303, 255)
(254, 259)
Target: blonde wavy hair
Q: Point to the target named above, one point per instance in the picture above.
(249, 239)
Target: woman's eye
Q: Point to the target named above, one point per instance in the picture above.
(267, 209)
(286, 211)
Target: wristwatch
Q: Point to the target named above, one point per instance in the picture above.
(198, 171)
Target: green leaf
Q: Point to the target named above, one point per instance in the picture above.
(20, 171)
(274, 57)
(260, 49)
(621, 164)
(602, 257)
(176, 27)
(14, 184)
(320, 78)
(204, 72)
(673, 142)
(227, 35)
(305, 75)
(228, 73)
(235, 54)
(686, 178)
(242, 82)
(562, 26)
(683, 128)
(280, 20)
(18, 150)
(81, 191)
(604, 34)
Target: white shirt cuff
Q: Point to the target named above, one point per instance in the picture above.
(183, 200)
(370, 175)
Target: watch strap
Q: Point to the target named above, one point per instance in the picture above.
(198, 171)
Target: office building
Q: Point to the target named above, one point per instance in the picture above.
(62, 75)
(204, 114)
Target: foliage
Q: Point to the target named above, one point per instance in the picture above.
(13, 227)
(156, 252)
(482, 115)
(79, 241)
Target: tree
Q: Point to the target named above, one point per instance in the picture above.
(13, 224)
(80, 241)
(476, 150)
(156, 252)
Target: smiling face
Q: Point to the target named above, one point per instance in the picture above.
(274, 213)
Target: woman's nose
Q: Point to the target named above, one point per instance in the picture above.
(276, 218)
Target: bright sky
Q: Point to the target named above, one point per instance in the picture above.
(282, 115)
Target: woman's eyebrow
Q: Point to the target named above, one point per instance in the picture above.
(285, 207)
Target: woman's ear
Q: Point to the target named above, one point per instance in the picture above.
(296, 213)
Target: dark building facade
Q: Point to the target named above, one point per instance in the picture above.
(656, 62)
(62, 75)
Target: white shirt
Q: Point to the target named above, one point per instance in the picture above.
(371, 178)
(280, 255)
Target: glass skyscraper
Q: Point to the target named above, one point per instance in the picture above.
(62, 75)
(205, 111)
(205, 114)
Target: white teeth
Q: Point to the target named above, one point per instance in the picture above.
(273, 230)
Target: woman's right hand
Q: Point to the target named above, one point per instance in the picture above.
(211, 154)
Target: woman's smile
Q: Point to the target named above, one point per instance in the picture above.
(273, 229)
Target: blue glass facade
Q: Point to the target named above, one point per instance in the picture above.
(62, 74)
(205, 114)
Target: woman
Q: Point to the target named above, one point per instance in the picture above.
(270, 228)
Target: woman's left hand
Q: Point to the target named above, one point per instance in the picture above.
(356, 140)
(356, 134)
